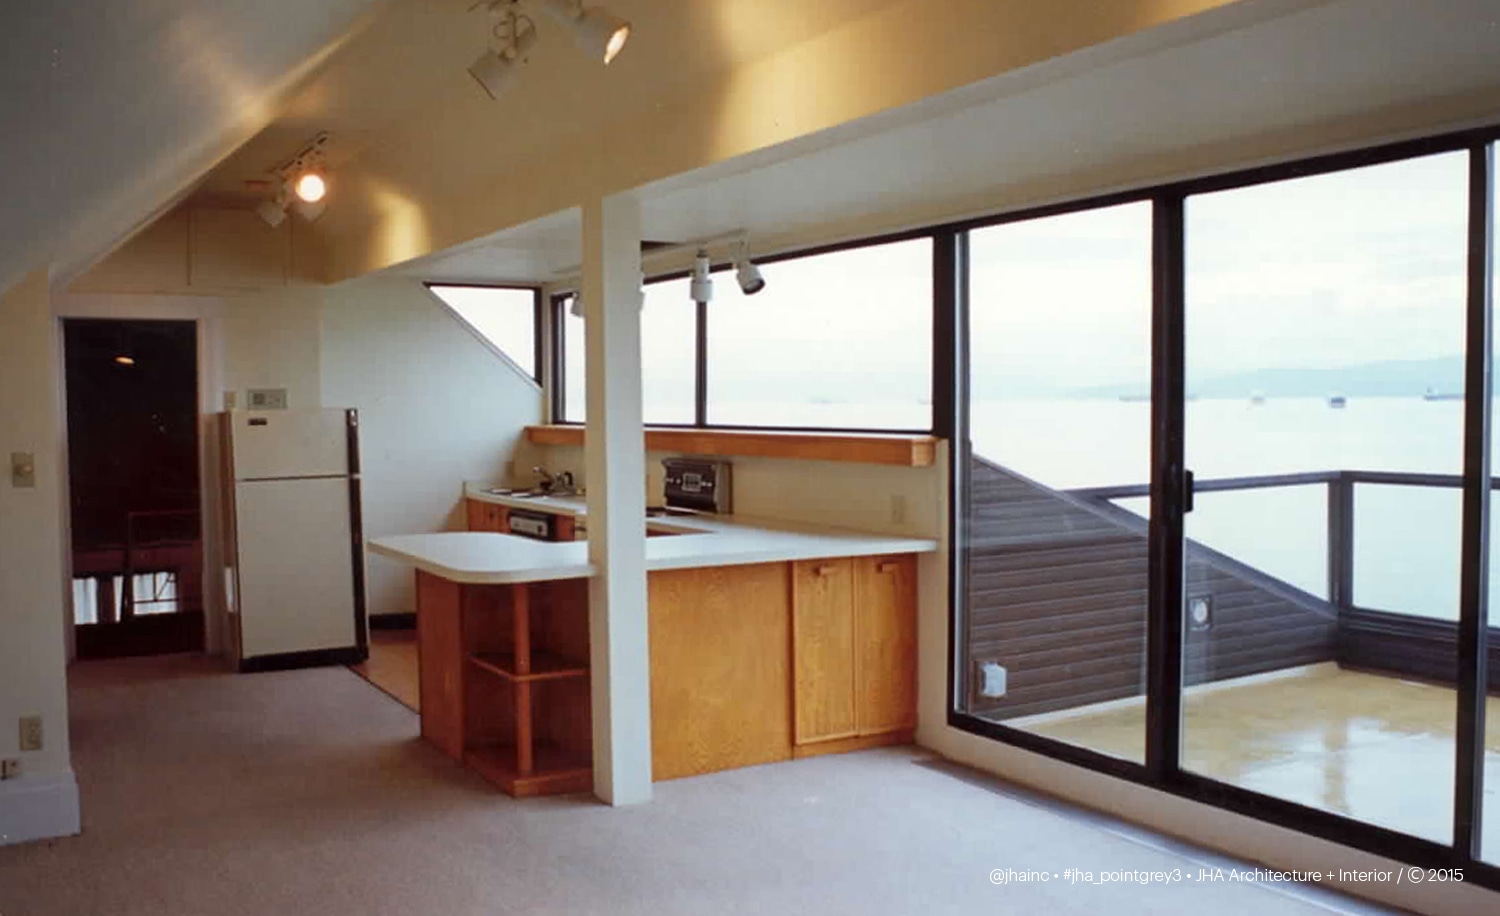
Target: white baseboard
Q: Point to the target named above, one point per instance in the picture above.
(38, 808)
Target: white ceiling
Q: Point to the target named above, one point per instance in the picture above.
(1261, 80)
(113, 108)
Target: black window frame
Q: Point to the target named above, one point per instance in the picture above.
(538, 347)
(950, 392)
(1169, 495)
(701, 359)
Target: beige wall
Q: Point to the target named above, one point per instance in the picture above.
(437, 407)
(32, 674)
(208, 250)
(272, 340)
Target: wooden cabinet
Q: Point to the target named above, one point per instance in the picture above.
(853, 652)
(504, 680)
(487, 516)
(721, 687)
(823, 649)
(885, 656)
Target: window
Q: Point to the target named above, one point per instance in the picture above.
(1060, 338)
(572, 405)
(834, 341)
(1223, 437)
(505, 317)
(669, 334)
(841, 340)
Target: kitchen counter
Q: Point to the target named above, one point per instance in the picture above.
(483, 558)
(769, 641)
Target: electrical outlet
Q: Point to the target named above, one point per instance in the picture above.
(31, 733)
(993, 679)
(10, 768)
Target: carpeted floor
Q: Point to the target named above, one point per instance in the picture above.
(308, 792)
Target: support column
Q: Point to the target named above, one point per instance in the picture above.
(615, 459)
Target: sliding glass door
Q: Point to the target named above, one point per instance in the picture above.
(1324, 340)
(1060, 376)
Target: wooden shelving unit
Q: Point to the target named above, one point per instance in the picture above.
(510, 681)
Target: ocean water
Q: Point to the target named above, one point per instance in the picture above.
(1406, 539)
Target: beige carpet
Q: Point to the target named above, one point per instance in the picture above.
(307, 792)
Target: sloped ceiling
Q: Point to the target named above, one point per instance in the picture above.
(1237, 87)
(111, 109)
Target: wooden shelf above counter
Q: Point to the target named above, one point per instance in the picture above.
(916, 451)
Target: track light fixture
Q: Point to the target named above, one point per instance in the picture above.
(701, 289)
(748, 274)
(599, 33)
(497, 69)
(301, 184)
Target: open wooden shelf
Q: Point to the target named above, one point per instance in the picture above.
(545, 666)
(555, 770)
(916, 451)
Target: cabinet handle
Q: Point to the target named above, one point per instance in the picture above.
(822, 570)
(885, 567)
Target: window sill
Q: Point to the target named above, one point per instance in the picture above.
(915, 451)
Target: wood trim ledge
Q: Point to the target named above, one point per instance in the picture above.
(902, 450)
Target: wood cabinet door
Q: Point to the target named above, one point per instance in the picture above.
(721, 688)
(823, 649)
(478, 513)
(885, 639)
(485, 516)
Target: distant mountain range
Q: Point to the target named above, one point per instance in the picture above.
(1442, 375)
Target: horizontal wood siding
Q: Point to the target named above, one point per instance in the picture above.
(1056, 592)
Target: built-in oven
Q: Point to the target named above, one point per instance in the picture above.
(539, 525)
(697, 484)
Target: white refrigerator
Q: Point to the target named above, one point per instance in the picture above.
(294, 571)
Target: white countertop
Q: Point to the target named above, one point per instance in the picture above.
(487, 558)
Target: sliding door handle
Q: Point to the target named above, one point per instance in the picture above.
(1187, 491)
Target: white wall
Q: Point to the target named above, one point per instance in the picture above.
(437, 407)
(44, 802)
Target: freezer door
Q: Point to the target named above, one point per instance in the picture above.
(290, 443)
(296, 574)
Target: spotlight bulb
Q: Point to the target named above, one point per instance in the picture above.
(748, 275)
(311, 187)
(125, 360)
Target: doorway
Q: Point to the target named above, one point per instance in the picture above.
(137, 532)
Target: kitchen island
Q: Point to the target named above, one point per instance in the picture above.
(768, 641)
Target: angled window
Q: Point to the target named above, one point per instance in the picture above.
(503, 317)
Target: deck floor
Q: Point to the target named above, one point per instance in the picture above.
(1375, 748)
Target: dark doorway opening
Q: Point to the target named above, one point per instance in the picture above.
(132, 390)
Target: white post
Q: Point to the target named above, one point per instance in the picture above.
(615, 458)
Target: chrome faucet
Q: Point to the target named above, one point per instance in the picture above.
(545, 481)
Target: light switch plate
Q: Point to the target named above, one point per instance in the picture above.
(22, 470)
(266, 398)
(31, 733)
